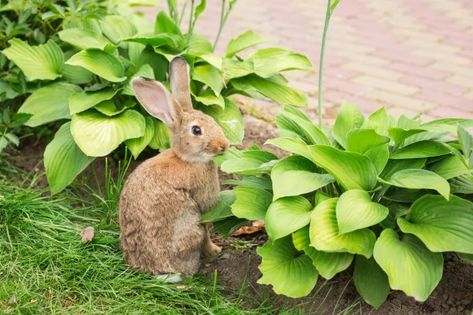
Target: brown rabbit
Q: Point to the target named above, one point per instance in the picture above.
(163, 198)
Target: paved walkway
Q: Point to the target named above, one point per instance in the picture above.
(410, 56)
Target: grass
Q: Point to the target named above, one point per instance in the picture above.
(46, 269)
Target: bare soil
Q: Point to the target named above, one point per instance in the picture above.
(237, 266)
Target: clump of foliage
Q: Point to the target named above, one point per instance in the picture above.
(390, 196)
(80, 77)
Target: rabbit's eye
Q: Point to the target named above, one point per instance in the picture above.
(196, 131)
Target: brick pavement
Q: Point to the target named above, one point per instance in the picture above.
(410, 56)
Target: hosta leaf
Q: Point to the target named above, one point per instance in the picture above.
(222, 209)
(361, 140)
(236, 68)
(76, 75)
(283, 267)
(99, 62)
(63, 160)
(252, 162)
(276, 91)
(349, 118)
(98, 135)
(327, 264)
(287, 215)
(210, 76)
(164, 24)
(83, 39)
(450, 167)
(251, 182)
(465, 139)
(227, 226)
(370, 281)
(270, 61)
(443, 226)
(137, 145)
(242, 42)
(117, 28)
(251, 203)
(42, 62)
(171, 43)
(144, 71)
(294, 123)
(462, 184)
(229, 118)
(421, 149)
(49, 103)
(160, 138)
(209, 98)
(199, 45)
(109, 108)
(409, 265)
(380, 121)
(296, 175)
(399, 135)
(355, 211)
(351, 170)
(83, 100)
(419, 179)
(324, 234)
(379, 156)
(468, 258)
(293, 145)
(394, 166)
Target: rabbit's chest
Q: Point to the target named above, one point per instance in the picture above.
(207, 187)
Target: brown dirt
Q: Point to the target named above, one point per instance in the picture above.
(237, 266)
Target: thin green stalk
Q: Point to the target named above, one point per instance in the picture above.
(321, 62)
(191, 17)
(222, 22)
(183, 10)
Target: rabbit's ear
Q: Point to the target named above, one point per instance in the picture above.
(179, 77)
(156, 99)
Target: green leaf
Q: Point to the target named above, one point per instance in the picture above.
(409, 265)
(229, 118)
(294, 123)
(324, 234)
(466, 142)
(252, 162)
(278, 92)
(164, 24)
(356, 211)
(117, 28)
(236, 68)
(370, 281)
(144, 71)
(76, 75)
(199, 45)
(42, 62)
(419, 179)
(49, 103)
(270, 61)
(63, 160)
(242, 42)
(110, 108)
(222, 208)
(349, 118)
(399, 135)
(394, 166)
(251, 203)
(462, 184)
(283, 267)
(100, 63)
(83, 39)
(251, 182)
(333, 5)
(380, 121)
(421, 149)
(137, 145)
(296, 175)
(296, 146)
(161, 136)
(379, 156)
(450, 167)
(164, 42)
(351, 170)
(327, 264)
(210, 76)
(83, 100)
(443, 226)
(208, 98)
(361, 140)
(287, 215)
(98, 135)
(228, 226)
(468, 258)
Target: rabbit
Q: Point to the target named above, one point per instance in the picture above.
(162, 199)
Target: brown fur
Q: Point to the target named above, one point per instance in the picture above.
(163, 198)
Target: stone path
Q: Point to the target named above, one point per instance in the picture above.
(410, 56)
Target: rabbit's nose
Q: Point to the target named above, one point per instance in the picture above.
(224, 146)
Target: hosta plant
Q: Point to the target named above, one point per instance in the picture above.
(387, 195)
(85, 74)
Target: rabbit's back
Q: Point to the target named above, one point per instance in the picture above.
(160, 212)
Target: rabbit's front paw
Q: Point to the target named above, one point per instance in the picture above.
(211, 249)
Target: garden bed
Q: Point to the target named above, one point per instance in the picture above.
(236, 269)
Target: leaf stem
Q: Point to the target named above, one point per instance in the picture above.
(222, 22)
(328, 14)
(191, 17)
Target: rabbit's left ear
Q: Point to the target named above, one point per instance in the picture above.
(179, 78)
(157, 101)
